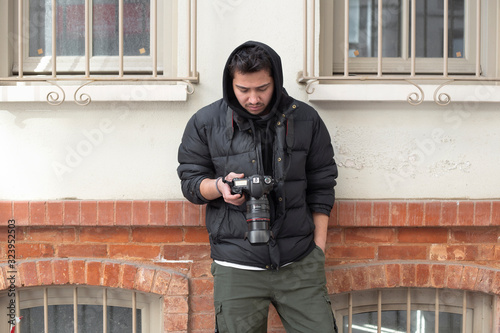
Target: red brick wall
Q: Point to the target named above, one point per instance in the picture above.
(162, 247)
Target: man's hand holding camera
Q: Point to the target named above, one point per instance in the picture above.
(230, 197)
(214, 188)
(235, 189)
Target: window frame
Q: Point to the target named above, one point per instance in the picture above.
(414, 88)
(368, 65)
(331, 22)
(367, 301)
(98, 64)
(151, 305)
(173, 82)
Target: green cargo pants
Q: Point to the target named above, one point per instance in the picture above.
(297, 291)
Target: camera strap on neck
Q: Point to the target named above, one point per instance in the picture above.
(290, 134)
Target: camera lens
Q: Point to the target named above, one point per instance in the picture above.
(258, 209)
(258, 218)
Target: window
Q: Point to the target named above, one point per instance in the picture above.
(90, 43)
(415, 310)
(364, 43)
(103, 34)
(58, 311)
(470, 38)
(70, 27)
(396, 42)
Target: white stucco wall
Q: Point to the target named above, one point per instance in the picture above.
(128, 150)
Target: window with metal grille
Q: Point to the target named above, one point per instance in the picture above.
(84, 309)
(79, 42)
(400, 41)
(413, 310)
(395, 36)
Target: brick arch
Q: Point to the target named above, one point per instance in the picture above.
(173, 286)
(347, 278)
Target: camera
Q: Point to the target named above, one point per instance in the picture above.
(257, 215)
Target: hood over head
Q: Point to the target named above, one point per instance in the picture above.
(280, 96)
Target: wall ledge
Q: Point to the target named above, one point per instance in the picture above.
(346, 278)
(345, 213)
(401, 92)
(55, 94)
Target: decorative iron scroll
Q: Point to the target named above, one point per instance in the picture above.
(58, 95)
(53, 97)
(414, 98)
(309, 87)
(443, 98)
(84, 98)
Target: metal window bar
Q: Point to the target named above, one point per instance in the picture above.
(478, 38)
(351, 305)
(54, 39)
(346, 39)
(154, 36)
(18, 312)
(55, 99)
(445, 38)
(379, 311)
(408, 310)
(413, 37)
(20, 50)
(87, 38)
(305, 42)
(105, 310)
(308, 76)
(46, 310)
(350, 313)
(75, 310)
(464, 312)
(120, 36)
(380, 39)
(134, 312)
(436, 312)
(189, 35)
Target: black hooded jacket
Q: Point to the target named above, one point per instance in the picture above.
(223, 137)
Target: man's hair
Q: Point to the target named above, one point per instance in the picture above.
(250, 59)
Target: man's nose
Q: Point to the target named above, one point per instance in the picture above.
(253, 98)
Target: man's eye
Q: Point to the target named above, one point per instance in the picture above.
(243, 90)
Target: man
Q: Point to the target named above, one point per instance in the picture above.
(258, 129)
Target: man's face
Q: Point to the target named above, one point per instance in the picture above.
(254, 91)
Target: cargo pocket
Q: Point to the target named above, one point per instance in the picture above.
(220, 323)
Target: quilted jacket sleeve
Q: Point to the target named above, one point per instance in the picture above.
(195, 163)
(321, 170)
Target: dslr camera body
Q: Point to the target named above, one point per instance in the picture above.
(258, 215)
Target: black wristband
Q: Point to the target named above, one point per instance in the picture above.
(216, 186)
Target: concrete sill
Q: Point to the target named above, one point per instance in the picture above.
(96, 92)
(383, 92)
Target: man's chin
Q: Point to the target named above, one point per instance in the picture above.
(257, 111)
